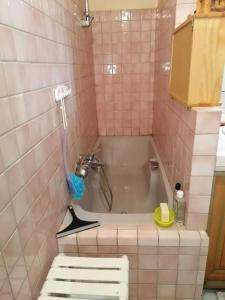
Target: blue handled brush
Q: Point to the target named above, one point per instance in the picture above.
(76, 186)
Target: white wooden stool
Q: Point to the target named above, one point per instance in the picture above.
(82, 278)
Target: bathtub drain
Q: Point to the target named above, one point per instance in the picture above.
(123, 212)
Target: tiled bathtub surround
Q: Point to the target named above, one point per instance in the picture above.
(124, 48)
(39, 50)
(173, 126)
(164, 264)
(186, 139)
(203, 161)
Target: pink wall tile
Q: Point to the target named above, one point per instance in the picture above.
(3, 88)
(107, 249)
(26, 228)
(133, 290)
(68, 240)
(199, 291)
(205, 144)
(168, 238)
(147, 290)
(188, 262)
(87, 237)
(25, 291)
(167, 276)
(29, 165)
(15, 178)
(187, 277)
(4, 191)
(147, 276)
(168, 262)
(8, 51)
(198, 204)
(207, 122)
(5, 289)
(203, 165)
(200, 277)
(202, 263)
(31, 250)
(201, 185)
(5, 116)
(190, 250)
(119, 50)
(9, 148)
(14, 74)
(168, 250)
(18, 109)
(204, 238)
(14, 261)
(8, 222)
(21, 204)
(128, 249)
(166, 290)
(147, 238)
(133, 261)
(39, 52)
(127, 237)
(196, 221)
(147, 262)
(185, 291)
(189, 238)
(88, 249)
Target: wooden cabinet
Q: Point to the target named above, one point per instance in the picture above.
(215, 271)
(198, 59)
(210, 6)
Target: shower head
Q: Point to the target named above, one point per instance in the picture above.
(87, 20)
(91, 18)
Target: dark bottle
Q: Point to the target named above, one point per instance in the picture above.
(177, 188)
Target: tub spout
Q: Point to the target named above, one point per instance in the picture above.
(96, 162)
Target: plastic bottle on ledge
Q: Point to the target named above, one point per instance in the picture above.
(179, 207)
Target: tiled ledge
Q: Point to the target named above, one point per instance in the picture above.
(163, 263)
(135, 236)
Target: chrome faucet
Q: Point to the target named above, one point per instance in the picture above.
(85, 162)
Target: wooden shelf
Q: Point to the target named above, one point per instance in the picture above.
(198, 59)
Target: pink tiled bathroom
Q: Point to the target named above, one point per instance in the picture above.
(112, 149)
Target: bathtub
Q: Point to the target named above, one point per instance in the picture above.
(137, 184)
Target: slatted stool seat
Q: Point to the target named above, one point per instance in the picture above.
(86, 278)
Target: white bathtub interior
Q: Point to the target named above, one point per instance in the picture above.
(137, 189)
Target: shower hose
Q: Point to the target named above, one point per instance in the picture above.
(106, 188)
